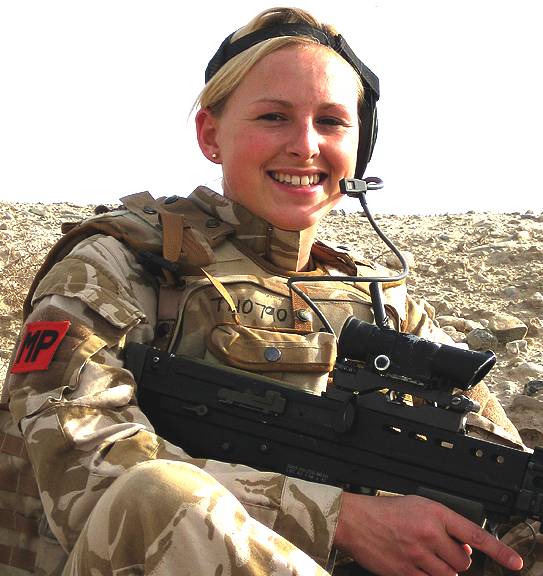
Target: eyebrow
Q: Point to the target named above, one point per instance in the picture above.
(285, 103)
(288, 104)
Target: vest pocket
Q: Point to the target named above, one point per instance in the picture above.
(301, 359)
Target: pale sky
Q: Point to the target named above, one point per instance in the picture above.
(95, 98)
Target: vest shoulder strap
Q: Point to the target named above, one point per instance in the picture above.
(177, 233)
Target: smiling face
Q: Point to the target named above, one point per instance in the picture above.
(286, 136)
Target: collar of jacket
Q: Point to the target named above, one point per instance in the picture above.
(279, 247)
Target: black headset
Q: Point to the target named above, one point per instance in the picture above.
(367, 111)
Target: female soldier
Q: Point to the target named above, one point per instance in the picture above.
(281, 113)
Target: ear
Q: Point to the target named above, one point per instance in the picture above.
(206, 132)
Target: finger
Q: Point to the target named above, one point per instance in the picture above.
(455, 555)
(437, 567)
(474, 536)
(468, 549)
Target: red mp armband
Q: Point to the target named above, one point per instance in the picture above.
(38, 346)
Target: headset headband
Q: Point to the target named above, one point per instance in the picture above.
(367, 113)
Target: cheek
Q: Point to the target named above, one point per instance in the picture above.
(247, 154)
(259, 148)
(348, 151)
(341, 156)
(244, 166)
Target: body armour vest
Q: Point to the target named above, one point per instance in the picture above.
(238, 309)
(244, 315)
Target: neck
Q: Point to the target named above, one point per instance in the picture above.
(307, 237)
(289, 250)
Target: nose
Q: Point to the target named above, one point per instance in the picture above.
(304, 141)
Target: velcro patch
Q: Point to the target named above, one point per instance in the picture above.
(38, 346)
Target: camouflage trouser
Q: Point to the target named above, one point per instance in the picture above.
(164, 517)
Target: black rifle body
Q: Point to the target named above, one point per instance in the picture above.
(357, 439)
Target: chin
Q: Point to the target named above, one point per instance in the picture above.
(304, 220)
(294, 224)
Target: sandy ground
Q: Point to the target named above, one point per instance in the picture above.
(481, 273)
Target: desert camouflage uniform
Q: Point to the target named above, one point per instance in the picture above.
(114, 498)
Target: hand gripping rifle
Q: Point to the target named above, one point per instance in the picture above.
(363, 434)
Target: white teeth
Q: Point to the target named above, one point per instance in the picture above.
(296, 180)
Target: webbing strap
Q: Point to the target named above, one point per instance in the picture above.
(172, 234)
(219, 286)
(303, 317)
(212, 228)
(199, 252)
(172, 240)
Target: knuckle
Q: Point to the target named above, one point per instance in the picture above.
(417, 555)
(478, 537)
(429, 533)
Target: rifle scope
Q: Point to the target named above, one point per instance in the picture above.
(405, 355)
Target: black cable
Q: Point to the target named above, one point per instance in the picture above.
(356, 188)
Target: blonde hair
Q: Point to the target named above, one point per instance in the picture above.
(217, 91)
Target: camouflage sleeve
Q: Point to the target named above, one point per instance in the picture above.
(420, 321)
(80, 419)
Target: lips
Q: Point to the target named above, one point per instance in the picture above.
(298, 179)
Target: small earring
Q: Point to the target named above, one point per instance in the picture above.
(214, 155)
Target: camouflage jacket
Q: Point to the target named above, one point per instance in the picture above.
(77, 409)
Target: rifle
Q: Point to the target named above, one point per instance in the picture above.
(362, 434)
